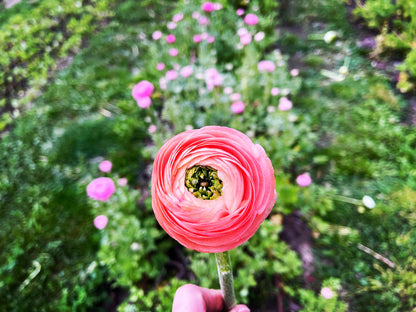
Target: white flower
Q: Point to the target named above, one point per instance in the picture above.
(369, 202)
(330, 36)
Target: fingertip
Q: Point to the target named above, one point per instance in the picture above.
(240, 308)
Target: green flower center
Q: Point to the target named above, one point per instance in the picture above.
(203, 182)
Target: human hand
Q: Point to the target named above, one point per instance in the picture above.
(192, 298)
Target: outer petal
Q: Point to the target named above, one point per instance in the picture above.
(248, 188)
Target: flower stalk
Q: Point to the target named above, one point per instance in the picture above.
(225, 274)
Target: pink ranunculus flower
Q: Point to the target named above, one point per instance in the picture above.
(327, 293)
(275, 91)
(160, 66)
(143, 89)
(197, 38)
(294, 72)
(171, 74)
(285, 104)
(237, 171)
(105, 166)
(171, 25)
(101, 189)
(239, 12)
(100, 222)
(170, 38)
(122, 181)
(144, 102)
(259, 36)
(304, 179)
(203, 20)
(186, 71)
(245, 39)
(251, 19)
(177, 17)
(173, 52)
(208, 6)
(157, 35)
(235, 97)
(210, 39)
(237, 107)
(266, 66)
(213, 78)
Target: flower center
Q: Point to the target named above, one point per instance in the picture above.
(203, 182)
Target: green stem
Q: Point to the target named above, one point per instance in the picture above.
(225, 274)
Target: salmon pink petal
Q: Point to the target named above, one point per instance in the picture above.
(246, 198)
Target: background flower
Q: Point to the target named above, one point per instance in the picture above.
(101, 189)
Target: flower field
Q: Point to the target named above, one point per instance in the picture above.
(322, 95)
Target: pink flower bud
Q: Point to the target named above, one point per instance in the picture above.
(197, 38)
(285, 104)
(266, 66)
(143, 89)
(251, 19)
(170, 38)
(237, 107)
(105, 166)
(208, 6)
(157, 35)
(100, 222)
(304, 180)
(186, 71)
(144, 102)
(101, 189)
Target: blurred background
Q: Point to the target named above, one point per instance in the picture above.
(327, 87)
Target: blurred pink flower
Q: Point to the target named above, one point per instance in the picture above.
(186, 71)
(105, 166)
(251, 19)
(142, 89)
(285, 104)
(177, 17)
(144, 102)
(170, 38)
(163, 83)
(245, 39)
(275, 91)
(239, 12)
(304, 179)
(242, 31)
(204, 36)
(210, 39)
(157, 35)
(327, 293)
(235, 97)
(195, 15)
(171, 74)
(152, 129)
(217, 6)
(208, 6)
(122, 181)
(101, 189)
(213, 78)
(203, 20)
(171, 25)
(266, 66)
(100, 222)
(228, 90)
(237, 107)
(173, 52)
(160, 66)
(294, 72)
(259, 36)
(197, 38)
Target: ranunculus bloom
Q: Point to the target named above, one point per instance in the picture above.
(177, 17)
(157, 35)
(285, 104)
(144, 102)
(101, 189)
(171, 25)
(213, 78)
(235, 97)
(186, 71)
(275, 91)
(105, 166)
(259, 36)
(239, 12)
(245, 39)
(122, 181)
(248, 188)
(197, 38)
(173, 52)
(203, 20)
(208, 6)
(170, 38)
(266, 66)
(304, 179)
(237, 107)
(100, 222)
(210, 39)
(251, 19)
(327, 293)
(160, 66)
(143, 89)
(171, 74)
(294, 72)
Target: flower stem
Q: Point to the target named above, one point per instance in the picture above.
(225, 274)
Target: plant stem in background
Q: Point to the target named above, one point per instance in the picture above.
(225, 274)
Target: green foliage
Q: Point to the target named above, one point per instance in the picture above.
(396, 24)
